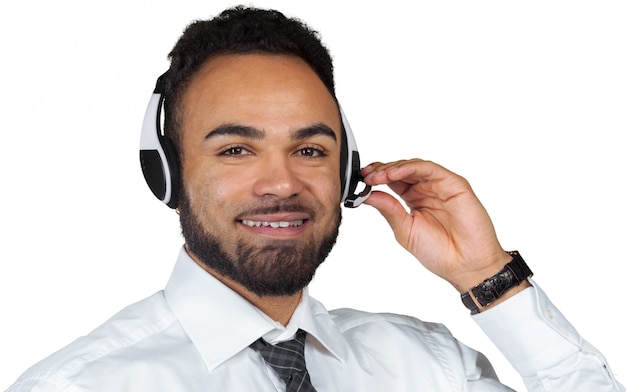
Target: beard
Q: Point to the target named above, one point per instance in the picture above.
(280, 268)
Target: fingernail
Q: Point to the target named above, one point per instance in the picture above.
(368, 167)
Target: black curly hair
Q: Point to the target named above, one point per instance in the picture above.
(238, 30)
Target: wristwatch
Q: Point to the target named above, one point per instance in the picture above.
(514, 273)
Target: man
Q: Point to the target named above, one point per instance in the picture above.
(256, 170)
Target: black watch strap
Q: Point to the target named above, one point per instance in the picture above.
(514, 273)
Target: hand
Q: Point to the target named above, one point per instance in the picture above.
(446, 227)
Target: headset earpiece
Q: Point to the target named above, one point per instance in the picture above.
(159, 160)
(351, 175)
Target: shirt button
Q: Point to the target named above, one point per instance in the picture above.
(548, 313)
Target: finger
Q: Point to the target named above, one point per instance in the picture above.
(379, 167)
(391, 209)
(416, 170)
(410, 171)
(418, 176)
(370, 168)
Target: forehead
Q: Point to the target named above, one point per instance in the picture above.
(261, 90)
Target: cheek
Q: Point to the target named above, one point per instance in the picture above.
(198, 181)
(214, 189)
(327, 188)
(326, 183)
(337, 191)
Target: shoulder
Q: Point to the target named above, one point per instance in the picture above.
(120, 336)
(350, 319)
(400, 330)
(386, 335)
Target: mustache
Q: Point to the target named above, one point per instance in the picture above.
(276, 208)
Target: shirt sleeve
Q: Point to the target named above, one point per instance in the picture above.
(544, 348)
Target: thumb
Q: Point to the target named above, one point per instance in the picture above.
(392, 210)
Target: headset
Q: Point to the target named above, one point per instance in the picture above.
(161, 169)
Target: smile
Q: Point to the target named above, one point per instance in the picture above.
(276, 225)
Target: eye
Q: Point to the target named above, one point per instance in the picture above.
(235, 150)
(311, 152)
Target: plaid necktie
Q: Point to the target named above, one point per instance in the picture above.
(287, 360)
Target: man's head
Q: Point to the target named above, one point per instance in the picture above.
(258, 131)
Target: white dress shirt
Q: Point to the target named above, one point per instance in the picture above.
(194, 336)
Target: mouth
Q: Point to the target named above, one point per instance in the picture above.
(273, 224)
(276, 225)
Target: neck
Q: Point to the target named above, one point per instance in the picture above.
(278, 308)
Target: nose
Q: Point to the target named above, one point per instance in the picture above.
(278, 177)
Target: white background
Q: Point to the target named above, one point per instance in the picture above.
(526, 99)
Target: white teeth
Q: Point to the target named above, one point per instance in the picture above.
(276, 225)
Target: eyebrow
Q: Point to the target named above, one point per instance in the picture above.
(257, 134)
(236, 130)
(314, 130)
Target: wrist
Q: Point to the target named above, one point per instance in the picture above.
(507, 282)
(471, 279)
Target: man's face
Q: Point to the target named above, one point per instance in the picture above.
(260, 168)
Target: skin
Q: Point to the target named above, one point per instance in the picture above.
(259, 131)
(226, 176)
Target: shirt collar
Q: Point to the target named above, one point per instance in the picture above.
(220, 323)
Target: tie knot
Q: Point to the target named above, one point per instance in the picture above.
(287, 360)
